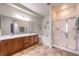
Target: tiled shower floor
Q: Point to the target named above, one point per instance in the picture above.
(41, 50)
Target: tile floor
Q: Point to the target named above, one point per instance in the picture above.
(41, 50)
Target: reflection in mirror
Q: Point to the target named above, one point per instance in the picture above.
(11, 25)
(22, 29)
(14, 27)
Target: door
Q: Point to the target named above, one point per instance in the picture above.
(72, 33)
(60, 32)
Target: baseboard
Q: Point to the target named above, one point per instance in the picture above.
(66, 49)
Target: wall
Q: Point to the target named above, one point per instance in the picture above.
(47, 30)
(38, 26)
(46, 39)
(12, 12)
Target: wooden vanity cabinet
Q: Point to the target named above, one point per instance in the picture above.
(13, 45)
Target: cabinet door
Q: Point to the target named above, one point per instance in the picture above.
(26, 41)
(32, 40)
(36, 39)
(4, 48)
(19, 44)
(11, 46)
(60, 32)
(7, 47)
(71, 34)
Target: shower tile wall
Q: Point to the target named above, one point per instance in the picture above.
(60, 32)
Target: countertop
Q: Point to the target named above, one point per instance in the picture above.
(15, 36)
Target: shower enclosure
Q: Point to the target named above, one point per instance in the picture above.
(66, 33)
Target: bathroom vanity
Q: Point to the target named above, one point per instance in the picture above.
(11, 44)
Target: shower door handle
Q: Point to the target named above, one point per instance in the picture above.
(66, 35)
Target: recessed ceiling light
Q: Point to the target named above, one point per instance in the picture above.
(64, 7)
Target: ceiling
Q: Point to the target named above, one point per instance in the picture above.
(40, 8)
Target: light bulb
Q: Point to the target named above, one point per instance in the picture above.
(64, 7)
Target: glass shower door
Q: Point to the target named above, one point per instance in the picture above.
(72, 34)
(65, 33)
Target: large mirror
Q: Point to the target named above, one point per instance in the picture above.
(18, 21)
(9, 25)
